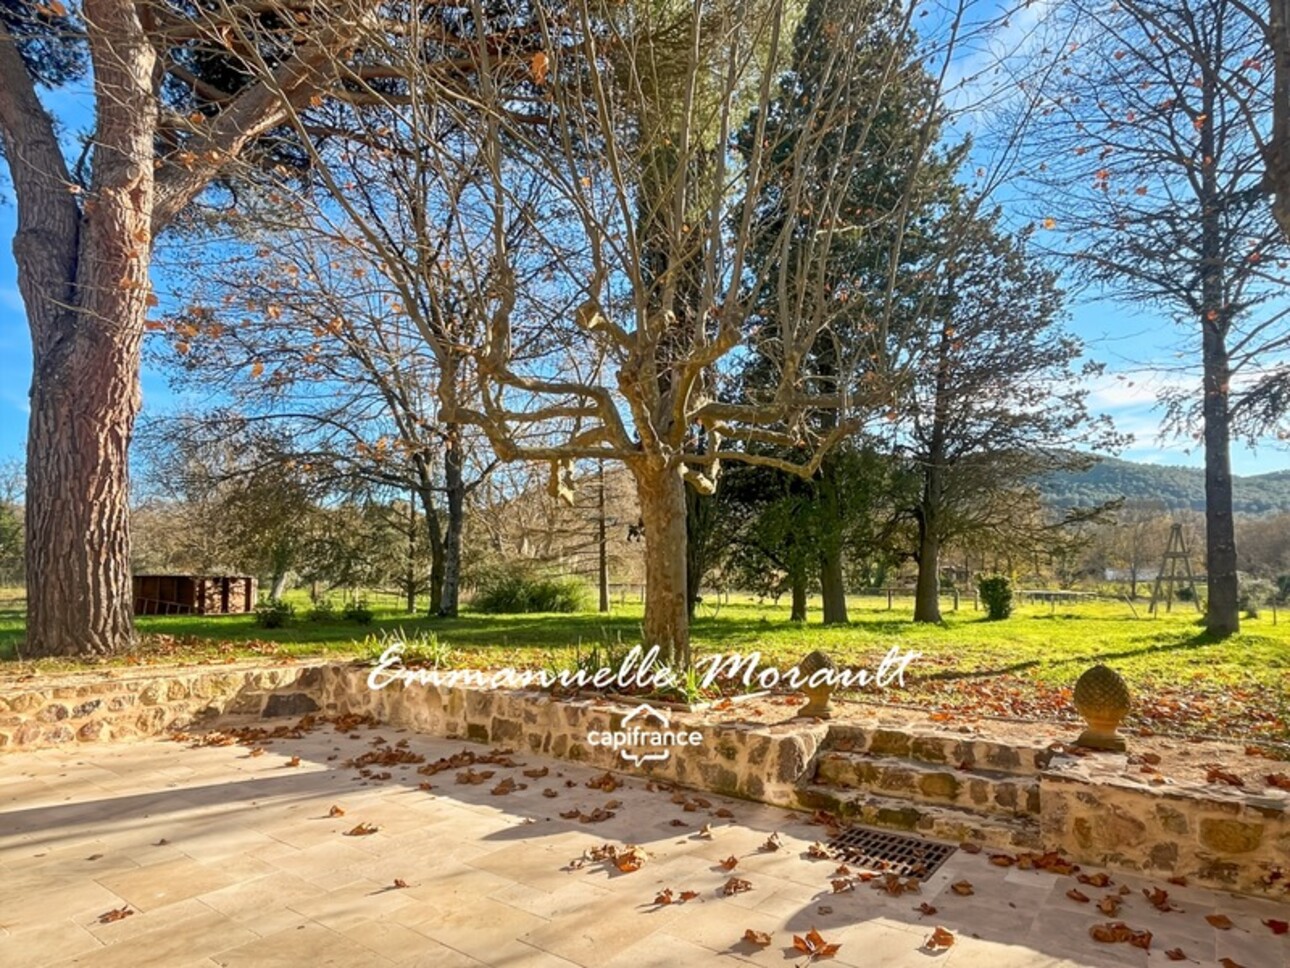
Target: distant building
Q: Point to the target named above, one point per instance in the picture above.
(194, 594)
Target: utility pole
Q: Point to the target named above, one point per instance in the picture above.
(602, 542)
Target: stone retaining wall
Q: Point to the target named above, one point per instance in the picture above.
(1220, 837)
(137, 704)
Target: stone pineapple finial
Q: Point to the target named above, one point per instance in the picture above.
(817, 705)
(1102, 698)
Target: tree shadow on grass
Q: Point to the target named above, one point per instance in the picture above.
(1200, 640)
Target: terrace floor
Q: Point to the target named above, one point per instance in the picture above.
(232, 857)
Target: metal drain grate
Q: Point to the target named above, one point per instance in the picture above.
(884, 851)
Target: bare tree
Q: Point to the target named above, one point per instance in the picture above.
(1150, 169)
(300, 332)
(644, 224)
(180, 92)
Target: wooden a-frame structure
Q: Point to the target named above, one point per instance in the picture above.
(1168, 575)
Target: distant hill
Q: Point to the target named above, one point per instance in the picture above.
(1180, 488)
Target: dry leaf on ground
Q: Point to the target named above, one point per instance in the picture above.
(940, 939)
(814, 945)
(736, 885)
(759, 938)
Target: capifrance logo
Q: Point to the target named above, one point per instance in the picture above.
(637, 743)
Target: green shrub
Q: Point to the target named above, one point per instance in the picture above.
(273, 614)
(323, 611)
(357, 611)
(996, 595)
(1254, 592)
(519, 588)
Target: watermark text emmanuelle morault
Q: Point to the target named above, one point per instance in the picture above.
(641, 670)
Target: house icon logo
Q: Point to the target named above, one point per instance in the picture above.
(639, 718)
(645, 735)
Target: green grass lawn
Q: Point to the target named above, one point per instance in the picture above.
(1023, 666)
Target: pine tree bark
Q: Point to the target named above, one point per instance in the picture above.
(661, 492)
(83, 274)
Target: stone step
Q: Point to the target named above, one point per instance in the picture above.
(977, 790)
(952, 825)
(933, 746)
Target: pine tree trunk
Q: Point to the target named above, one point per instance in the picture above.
(798, 613)
(454, 485)
(84, 281)
(927, 593)
(661, 492)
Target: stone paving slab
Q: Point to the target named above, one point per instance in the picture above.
(232, 859)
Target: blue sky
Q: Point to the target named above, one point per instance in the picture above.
(1141, 351)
